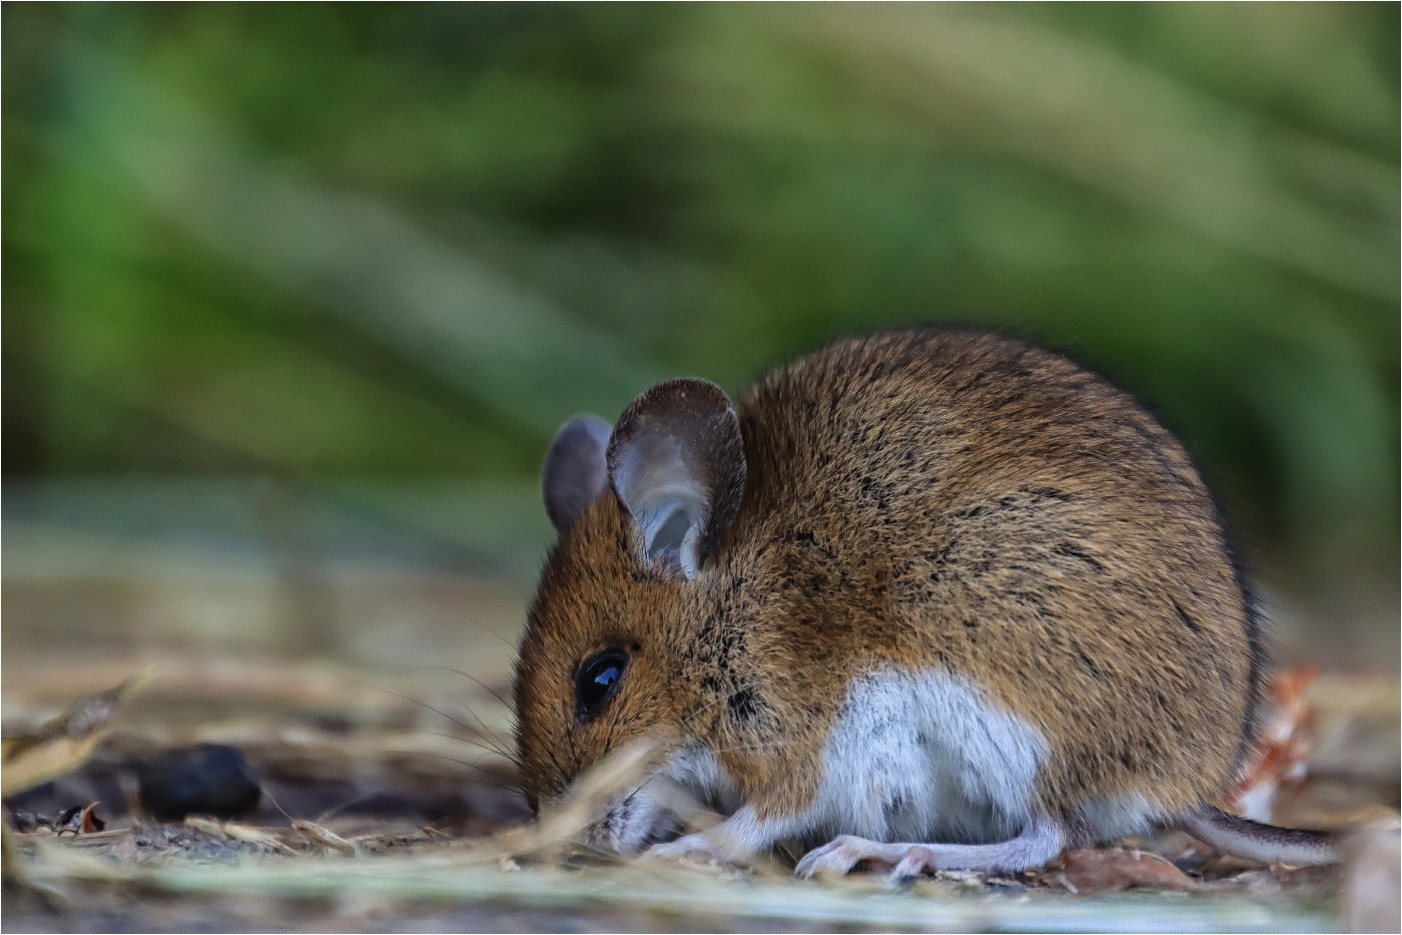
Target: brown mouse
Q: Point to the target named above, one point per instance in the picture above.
(937, 598)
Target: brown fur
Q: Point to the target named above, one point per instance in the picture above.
(922, 499)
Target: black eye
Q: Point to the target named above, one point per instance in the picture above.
(597, 681)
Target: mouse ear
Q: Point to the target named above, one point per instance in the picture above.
(575, 472)
(677, 463)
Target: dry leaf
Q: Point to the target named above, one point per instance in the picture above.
(206, 826)
(251, 835)
(11, 870)
(1096, 870)
(1282, 746)
(326, 838)
(81, 819)
(63, 743)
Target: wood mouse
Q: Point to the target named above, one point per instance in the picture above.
(935, 598)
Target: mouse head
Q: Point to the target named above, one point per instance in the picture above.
(641, 510)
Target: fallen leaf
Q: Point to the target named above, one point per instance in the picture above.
(1282, 746)
(62, 743)
(1098, 870)
(81, 819)
(325, 837)
(251, 835)
(206, 826)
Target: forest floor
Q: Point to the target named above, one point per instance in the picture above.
(384, 807)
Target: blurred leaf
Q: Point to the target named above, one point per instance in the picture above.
(62, 743)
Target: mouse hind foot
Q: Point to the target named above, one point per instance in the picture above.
(1038, 843)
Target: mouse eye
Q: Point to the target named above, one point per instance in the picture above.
(597, 681)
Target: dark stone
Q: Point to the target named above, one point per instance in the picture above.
(207, 779)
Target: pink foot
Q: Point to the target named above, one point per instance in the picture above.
(1038, 843)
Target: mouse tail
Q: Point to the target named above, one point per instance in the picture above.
(1252, 840)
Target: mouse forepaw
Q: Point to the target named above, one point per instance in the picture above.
(691, 846)
(734, 840)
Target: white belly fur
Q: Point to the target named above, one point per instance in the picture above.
(915, 757)
(926, 756)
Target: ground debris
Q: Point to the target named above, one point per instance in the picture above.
(1100, 870)
(385, 823)
(61, 743)
(79, 819)
(1282, 746)
(1372, 868)
(205, 779)
(325, 837)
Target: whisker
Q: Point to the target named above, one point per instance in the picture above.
(481, 769)
(486, 747)
(482, 729)
(482, 626)
(476, 681)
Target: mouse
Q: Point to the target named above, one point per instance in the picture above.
(929, 599)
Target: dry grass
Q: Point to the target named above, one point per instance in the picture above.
(381, 813)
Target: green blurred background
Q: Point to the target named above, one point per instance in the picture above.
(297, 294)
